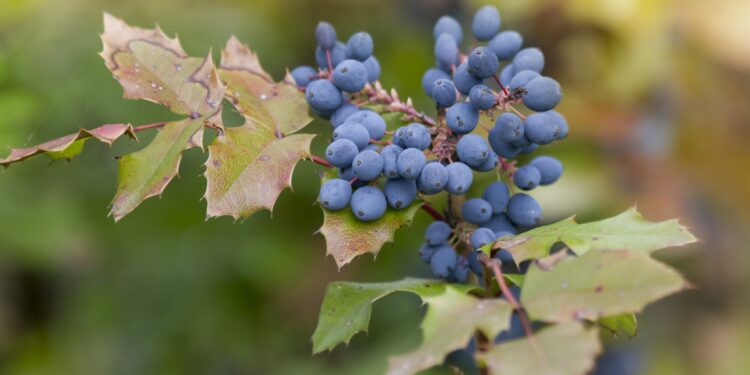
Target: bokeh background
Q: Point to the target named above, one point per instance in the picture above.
(657, 93)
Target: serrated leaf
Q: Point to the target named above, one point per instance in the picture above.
(347, 306)
(151, 66)
(66, 147)
(597, 284)
(347, 237)
(623, 325)
(628, 230)
(145, 173)
(563, 349)
(70, 152)
(452, 319)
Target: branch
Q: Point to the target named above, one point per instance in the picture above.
(318, 160)
(433, 212)
(378, 95)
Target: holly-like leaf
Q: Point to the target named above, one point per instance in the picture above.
(151, 66)
(563, 349)
(70, 145)
(623, 325)
(452, 319)
(249, 166)
(347, 307)
(597, 284)
(628, 230)
(147, 172)
(347, 237)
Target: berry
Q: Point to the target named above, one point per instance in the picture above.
(459, 178)
(476, 211)
(522, 78)
(437, 233)
(325, 35)
(540, 128)
(335, 194)
(443, 261)
(504, 149)
(450, 26)
(353, 132)
(341, 152)
(529, 149)
(506, 75)
(342, 114)
(475, 265)
(461, 272)
(524, 211)
(446, 52)
(506, 44)
(373, 68)
(504, 256)
(416, 136)
(463, 80)
(350, 76)
(549, 168)
(429, 78)
(426, 251)
(500, 223)
(482, 97)
(527, 177)
(444, 93)
(433, 178)
(359, 46)
(368, 203)
(491, 163)
(542, 94)
(481, 237)
(508, 127)
(472, 150)
(400, 192)
(338, 54)
(410, 163)
(323, 95)
(562, 124)
(372, 121)
(486, 23)
(529, 59)
(497, 195)
(367, 165)
(482, 62)
(462, 118)
(390, 155)
(302, 75)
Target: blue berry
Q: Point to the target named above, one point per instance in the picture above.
(341, 152)
(342, 114)
(497, 195)
(522, 78)
(462, 118)
(325, 35)
(504, 149)
(367, 165)
(433, 178)
(472, 150)
(359, 46)
(490, 164)
(460, 178)
(323, 95)
(353, 132)
(373, 68)
(399, 136)
(529, 59)
(482, 62)
(549, 168)
(540, 128)
(475, 265)
(461, 272)
(350, 76)
(506, 75)
(482, 97)
(400, 193)
(437, 233)
(450, 26)
(476, 211)
(410, 163)
(529, 149)
(500, 223)
(527, 177)
(446, 52)
(542, 94)
(524, 211)
(429, 78)
(335, 194)
(426, 252)
(562, 124)
(508, 127)
(504, 256)
(444, 93)
(506, 44)
(463, 80)
(481, 237)
(302, 75)
(416, 136)
(338, 54)
(372, 121)
(443, 261)
(368, 203)
(486, 23)
(390, 155)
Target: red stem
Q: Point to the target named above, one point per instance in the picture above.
(318, 160)
(433, 212)
(495, 266)
(505, 91)
(328, 58)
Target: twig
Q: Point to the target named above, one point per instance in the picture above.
(378, 95)
(318, 160)
(433, 212)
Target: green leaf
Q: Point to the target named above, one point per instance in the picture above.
(628, 230)
(347, 306)
(515, 278)
(563, 349)
(597, 284)
(151, 66)
(70, 145)
(147, 172)
(623, 325)
(452, 319)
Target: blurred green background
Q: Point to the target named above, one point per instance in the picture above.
(657, 95)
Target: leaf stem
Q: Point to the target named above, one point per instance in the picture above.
(505, 91)
(153, 125)
(433, 212)
(318, 160)
(378, 95)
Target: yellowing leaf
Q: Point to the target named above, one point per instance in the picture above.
(597, 284)
(452, 319)
(151, 66)
(563, 349)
